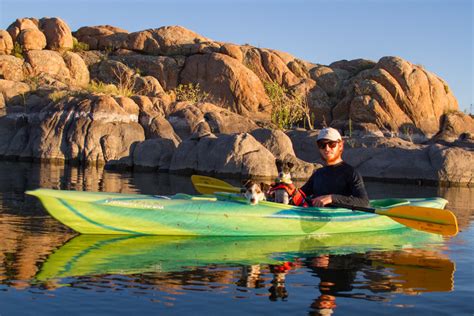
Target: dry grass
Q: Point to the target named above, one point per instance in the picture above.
(190, 92)
(101, 87)
(125, 82)
(58, 95)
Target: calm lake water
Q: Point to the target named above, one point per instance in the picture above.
(47, 269)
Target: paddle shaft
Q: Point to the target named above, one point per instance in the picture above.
(354, 207)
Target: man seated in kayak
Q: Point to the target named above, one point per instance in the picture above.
(337, 182)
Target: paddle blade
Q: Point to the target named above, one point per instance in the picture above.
(208, 185)
(444, 230)
(426, 219)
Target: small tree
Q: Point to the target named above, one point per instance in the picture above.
(288, 108)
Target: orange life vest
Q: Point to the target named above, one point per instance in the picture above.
(297, 197)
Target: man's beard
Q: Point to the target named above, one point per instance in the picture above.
(336, 157)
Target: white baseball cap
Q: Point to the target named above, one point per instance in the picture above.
(329, 133)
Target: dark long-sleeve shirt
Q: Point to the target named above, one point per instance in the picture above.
(342, 181)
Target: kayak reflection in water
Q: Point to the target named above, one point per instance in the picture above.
(337, 182)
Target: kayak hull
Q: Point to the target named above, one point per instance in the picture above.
(222, 215)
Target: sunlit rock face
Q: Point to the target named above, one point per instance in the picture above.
(155, 98)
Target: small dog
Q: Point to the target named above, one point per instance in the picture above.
(283, 184)
(253, 192)
(251, 277)
(278, 288)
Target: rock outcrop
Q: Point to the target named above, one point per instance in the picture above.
(52, 33)
(167, 40)
(164, 68)
(154, 154)
(12, 68)
(86, 130)
(456, 125)
(228, 81)
(396, 96)
(21, 24)
(203, 118)
(78, 72)
(6, 43)
(237, 154)
(171, 99)
(31, 39)
(281, 146)
(94, 36)
(12, 91)
(57, 32)
(269, 65)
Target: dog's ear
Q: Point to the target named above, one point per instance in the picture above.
(279, 164)
(265, 186)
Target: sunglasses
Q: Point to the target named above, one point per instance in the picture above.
(331, 145)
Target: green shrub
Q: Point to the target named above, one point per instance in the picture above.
(33, 81)
(18, 51)
(190, 92)
(288, 108)
(57, 95)
(79, 46)
(101, 87)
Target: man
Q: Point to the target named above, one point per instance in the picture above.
(336, 182)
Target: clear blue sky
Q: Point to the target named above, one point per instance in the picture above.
(437, 34)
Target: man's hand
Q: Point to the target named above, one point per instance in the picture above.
(322, 200)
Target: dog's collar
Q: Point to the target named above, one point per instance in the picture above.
(286, 180)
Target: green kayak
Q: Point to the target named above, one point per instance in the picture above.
(224, 214)
(107, 254)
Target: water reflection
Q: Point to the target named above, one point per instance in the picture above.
(26, 242)
(409, 271)
(18, 177)
(369, 266)
(99, 254)
(37, 252)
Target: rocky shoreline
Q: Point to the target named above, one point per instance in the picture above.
(171, 100)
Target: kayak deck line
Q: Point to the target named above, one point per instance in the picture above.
(81, 215)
